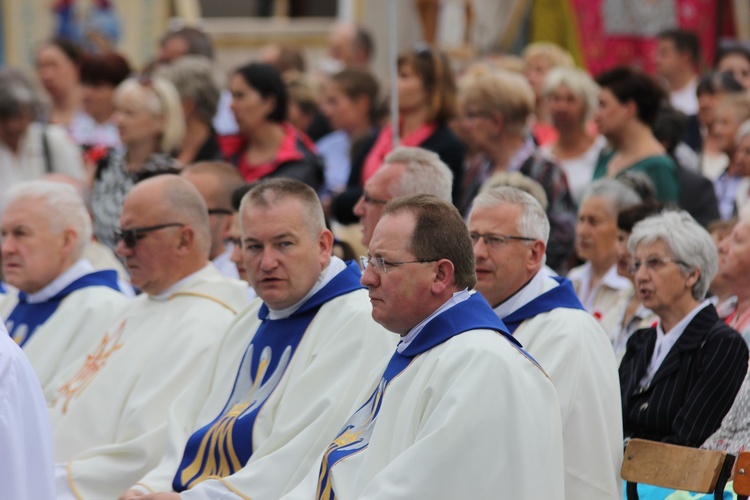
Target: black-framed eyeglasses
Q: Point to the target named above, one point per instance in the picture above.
(220, 211)
(373, 201)
(380, 265)
(495, 241)
(653, 264)
(131, 236)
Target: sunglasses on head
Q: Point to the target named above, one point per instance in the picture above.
(131, 236)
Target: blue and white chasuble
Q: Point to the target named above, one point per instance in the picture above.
(472, 314)
(563, 295)
(224, 446)
(27, 317)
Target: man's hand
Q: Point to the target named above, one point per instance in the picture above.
(130, 494)
(161, 496)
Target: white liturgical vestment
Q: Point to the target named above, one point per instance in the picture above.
(109, 414)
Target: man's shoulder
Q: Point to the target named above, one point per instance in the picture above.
(213, 290)
(566, 324)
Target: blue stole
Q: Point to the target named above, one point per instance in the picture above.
(2, 288)
(561, 296)
(224, 446)
(471, 314)
(26, 318)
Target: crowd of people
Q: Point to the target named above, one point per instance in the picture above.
(263, 286)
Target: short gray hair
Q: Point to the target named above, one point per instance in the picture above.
(182, 201)
(533, 222)
(742, 131)
(687, 240)
(519, 181)
(578, 82)
(425, 173)
(64, 208)
(194, 78)
(269, 192)
(617, 193)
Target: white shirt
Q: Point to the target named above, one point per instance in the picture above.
(457, 298)
(665, 341)
(685, 99)
(611, 279)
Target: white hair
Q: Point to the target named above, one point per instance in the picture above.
(687, 241)
(578, 82)
(617, 193)
(424, 173)
(533, 222)
(64, 208)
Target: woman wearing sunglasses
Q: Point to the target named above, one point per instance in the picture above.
(680, 377)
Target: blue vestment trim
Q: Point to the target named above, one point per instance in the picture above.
(224, 446)
(561, 296)
(472, 314)
(26, 318)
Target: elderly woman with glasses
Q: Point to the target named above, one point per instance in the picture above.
(680, 377)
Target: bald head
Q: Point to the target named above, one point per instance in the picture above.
(167, 221)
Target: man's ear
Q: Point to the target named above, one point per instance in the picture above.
(187, 239)
(538, 251)
(443, 276)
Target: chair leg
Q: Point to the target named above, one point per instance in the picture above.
(632, 491)
(724, 475)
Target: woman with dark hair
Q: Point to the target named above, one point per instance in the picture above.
(427, 101)
(629, 101)
(100, 76)
(266, 145)
(58, 65)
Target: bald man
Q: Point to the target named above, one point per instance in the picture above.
(216, 181)
(109, 410)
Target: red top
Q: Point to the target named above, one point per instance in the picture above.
(233, 149)
(384, 145)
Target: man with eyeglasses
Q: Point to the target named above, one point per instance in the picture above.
(291, 366)
(216, 181)
(509, 231)
(62, 303)
(459, 410)
(407, 171)
(109, 409)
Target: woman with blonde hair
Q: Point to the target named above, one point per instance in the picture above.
(151, 124)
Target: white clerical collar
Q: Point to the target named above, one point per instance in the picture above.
(334, 267)
(665, 342)
(82, 267)
(167, 294)
(539, 284)
(457, 298)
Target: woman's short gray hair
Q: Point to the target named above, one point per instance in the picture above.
(194, 78)
(64, 208)
(618, 194)
(687, 241)
(578, 82)
(533, 222)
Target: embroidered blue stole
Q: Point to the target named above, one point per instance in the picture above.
(471, 314)
(222, 447)
(26, 318)
(562, 295)
(2, 287)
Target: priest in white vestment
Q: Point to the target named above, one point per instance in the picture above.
(509, 231)
(459, 410)
(26, 455)
(61, 303)
(110, 408)
(288, 372)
